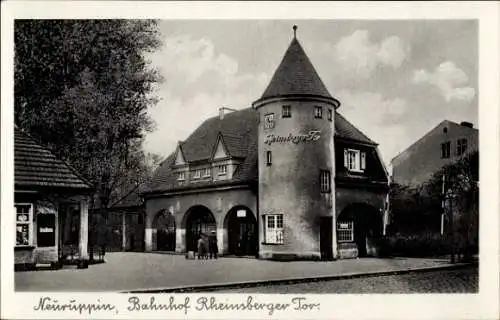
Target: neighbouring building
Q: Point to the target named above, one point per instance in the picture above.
(288, 178)
(444, 144)
(51, 203)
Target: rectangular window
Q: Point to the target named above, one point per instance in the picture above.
(445, 149)
(222, 170)
(274, 228)
(461, 146)
(207, 172)
(318, 112)
(287, 112)
(197, 174)
(354, 160)
(269, 121)
(24, 224)
(345, 231)
(324, 181)
(269, 158)
(181, 176)
(330, 114)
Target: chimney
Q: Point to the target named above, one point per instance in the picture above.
(466, 124)
(221, 113)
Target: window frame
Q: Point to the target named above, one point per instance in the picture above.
(181, 176)
(269, 158)
(461, 146)
(29, 223)
(274, 234)
(359, 160)
(269, 121)
(207, 172)
(318, 115)
(330, 114)
(288, 113)
(325, 184)
(222, 172)
(446, 146)
(197, 174)
(350, 229)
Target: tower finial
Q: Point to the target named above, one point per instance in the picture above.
(295, 31)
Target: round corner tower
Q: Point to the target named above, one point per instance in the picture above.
(296, 162)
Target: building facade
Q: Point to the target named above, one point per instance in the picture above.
(51, 203)
(288, 178)
(444, 144)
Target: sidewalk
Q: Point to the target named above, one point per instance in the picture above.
(146, 272)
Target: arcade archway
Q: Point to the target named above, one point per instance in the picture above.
(242, 231)
(198, 219)
(360, 224)
(164, 224)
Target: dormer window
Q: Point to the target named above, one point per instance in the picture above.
(197, 174)
(354, 160)
(207, 173)
(181, 176)
(222, 170)
(286, 112)
(269, 121)
(318, 112)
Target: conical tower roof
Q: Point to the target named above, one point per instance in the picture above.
(295, 76)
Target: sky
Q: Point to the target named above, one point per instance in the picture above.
(396, 80)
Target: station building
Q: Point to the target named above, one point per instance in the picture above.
(287, 178)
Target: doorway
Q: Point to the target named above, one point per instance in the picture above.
(242, 232)
(199, 220)
(325, 238)
(164, 223)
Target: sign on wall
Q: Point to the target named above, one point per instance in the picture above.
(46, 230)
(241, 213)
(311, 136)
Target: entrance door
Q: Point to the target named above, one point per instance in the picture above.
(325, 233)
(242, 233)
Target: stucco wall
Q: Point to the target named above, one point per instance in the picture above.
(290, 186)
(219, 202)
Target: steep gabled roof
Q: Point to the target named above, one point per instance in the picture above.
(240, 128)
(295, 76)
(37, 167)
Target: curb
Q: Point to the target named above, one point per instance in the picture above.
(258, 283)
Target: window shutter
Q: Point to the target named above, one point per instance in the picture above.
(363, 160)
(346, 159)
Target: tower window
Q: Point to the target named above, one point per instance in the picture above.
(445, 149)
(269, 158)
(269, 121)
(318, 112)
(286, 112)
(330, 114)
(324, 181)
(461, 146)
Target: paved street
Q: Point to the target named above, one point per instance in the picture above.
(445, 281)
(127, 271)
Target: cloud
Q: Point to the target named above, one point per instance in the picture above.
(198, 81)
(357, 53)
(449, 79)
(379, 117)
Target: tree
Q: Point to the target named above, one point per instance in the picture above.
(82, 87)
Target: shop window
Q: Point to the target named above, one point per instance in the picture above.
(222, 170)
(330, 114)
(286, 112)
(269, 121)
(325, 181)
(274, 228)
(24, 224)
(207, 172)
(345, 231)
(445, 149)
(461, 146)
(269, 158)
(318, 112)
(354, 160)
(181, 176)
